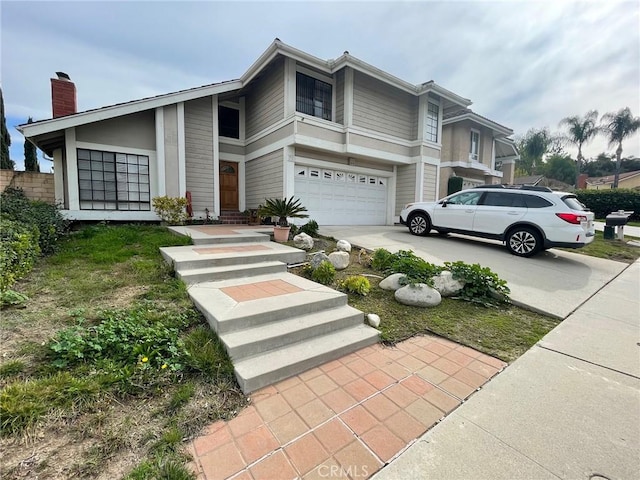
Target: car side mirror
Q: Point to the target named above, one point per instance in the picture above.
(444, 203)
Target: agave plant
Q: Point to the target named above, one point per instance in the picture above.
(283, 209)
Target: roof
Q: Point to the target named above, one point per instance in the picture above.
(276, 48)
(610, 178)
(464, 113)
(530, 180)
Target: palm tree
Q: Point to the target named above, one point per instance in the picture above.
(581, 131)
(618, 126)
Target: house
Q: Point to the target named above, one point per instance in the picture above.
(625, 180)
(353, 142)
(542, 181)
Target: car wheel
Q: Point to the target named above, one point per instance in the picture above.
(419, 224)
(524, 241)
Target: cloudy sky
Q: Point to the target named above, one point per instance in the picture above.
(525, 64)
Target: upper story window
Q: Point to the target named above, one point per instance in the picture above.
(313, 96)
(228, 122)
(431, 122)
(113, 181)
(474, 146)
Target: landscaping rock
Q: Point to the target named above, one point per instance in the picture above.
(418, 295)
(374, 320)
(317, 259)
(304, 241)
(340, 260)
(343, 246)
(392, 282)
(446, 284)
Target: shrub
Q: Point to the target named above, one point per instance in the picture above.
(171, 209)
(18, 251)
(481, 284)
(310, 228)
(454, 184)
(47, 218)
(324, 274)
(356, 284)
(416, 269)
(381, 259)
(603, 202)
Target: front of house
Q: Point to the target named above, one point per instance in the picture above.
(354, 143)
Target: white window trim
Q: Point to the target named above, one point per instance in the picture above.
(323, 78)
(438, 104)
(474, 157)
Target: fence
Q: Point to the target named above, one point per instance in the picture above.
(36, 185)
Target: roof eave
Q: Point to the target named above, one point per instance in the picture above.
(501, 129)
(104, 113)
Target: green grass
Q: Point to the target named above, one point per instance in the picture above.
(110, 353)
(610, 249)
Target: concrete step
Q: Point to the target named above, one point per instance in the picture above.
(225, 315)
(224, 239)
(195, 256)
(225, 272)
(243, 343)
(207, 234)
(266, 368)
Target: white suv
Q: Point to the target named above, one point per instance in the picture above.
(527, 219)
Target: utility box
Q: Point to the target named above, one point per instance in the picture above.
(618, 220)
(609, 232)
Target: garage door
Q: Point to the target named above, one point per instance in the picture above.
(340, 197)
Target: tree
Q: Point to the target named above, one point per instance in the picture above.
(5, 139)
(618, 127)
(560, 167)
(532, 148)
(581, 131)
(30, 155)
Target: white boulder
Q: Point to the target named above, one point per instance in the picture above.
(374, 320)
(340, 260)
(418, 295)
(343, 246)
(303, 241)
(446, 284)
(392, 282)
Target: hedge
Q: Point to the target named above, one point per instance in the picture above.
(18, 251)
(604, 202)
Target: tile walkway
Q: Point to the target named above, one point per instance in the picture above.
(346, 418)
(258, 290)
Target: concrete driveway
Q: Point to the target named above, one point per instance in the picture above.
(554, 282)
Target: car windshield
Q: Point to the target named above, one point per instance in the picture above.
(573, 203)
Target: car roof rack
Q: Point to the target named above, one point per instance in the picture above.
(517, 187)
(498, 185)
(535, 189)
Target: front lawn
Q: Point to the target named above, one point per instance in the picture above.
(109, 366)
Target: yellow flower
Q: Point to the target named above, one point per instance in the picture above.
(145, 359)
(164, 366)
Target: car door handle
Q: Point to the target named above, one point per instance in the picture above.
(469, 211)
(513, 213)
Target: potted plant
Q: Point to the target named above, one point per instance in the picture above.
(283, 209)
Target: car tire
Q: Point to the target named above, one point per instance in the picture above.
(524, 241)
(419, 224)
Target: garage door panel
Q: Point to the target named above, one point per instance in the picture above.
(345, 199)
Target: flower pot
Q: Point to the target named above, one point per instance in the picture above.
(281, 234)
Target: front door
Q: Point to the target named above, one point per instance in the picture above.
(228, 186)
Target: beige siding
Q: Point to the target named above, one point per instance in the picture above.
(320, 133)
(137, 130)
(340, 96)
(325, 156)
(229, 148)
(486, 146)
(273, 137)
(405, 186)
(380, 107)
(171, 167)
(445, 174)
(265, 99)
(429, 193)
(198, 125)
(375, 144)
(264, 178)
(446, 154)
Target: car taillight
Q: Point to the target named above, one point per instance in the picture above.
(572, 218)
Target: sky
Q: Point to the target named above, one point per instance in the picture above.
(524, 64)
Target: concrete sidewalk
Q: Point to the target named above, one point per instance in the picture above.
(568, 408)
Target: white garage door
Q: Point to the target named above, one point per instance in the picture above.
(340, 197)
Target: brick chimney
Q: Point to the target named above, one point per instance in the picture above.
(63, 96)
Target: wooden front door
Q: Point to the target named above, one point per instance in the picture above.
(228, 186)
